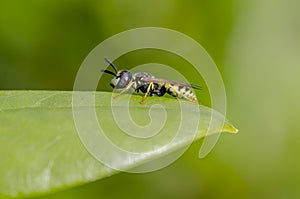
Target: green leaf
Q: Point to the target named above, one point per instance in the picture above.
(41, 150)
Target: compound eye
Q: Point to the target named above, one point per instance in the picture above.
(124, 79)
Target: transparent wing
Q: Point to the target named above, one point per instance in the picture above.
(158, 80)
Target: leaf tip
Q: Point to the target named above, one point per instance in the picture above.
(231, 129)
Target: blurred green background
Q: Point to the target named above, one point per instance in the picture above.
(256, 45)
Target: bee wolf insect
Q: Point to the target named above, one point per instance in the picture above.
(148, 84)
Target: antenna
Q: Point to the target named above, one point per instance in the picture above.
(109, 72)
(111, 64)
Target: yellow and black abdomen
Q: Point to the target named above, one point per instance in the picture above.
(182, 92)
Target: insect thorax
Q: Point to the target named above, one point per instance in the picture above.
(139, 84)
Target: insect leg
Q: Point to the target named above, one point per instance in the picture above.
(124, 90)
(150, 88)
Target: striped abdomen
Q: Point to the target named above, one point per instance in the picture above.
(182, 92)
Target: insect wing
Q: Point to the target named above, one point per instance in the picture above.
(163, 81)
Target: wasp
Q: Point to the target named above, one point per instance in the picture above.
(149, 85)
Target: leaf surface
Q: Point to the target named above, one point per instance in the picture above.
(41, 149)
